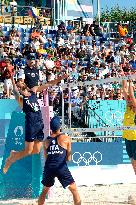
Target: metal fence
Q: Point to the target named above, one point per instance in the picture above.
(24, 10)
(21, 15)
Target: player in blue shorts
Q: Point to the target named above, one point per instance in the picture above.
(34, 135)
(57, 153)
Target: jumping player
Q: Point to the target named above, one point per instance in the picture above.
(130, 120)
(57, 153)
(34, 135)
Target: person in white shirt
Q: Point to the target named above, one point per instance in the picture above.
(71, 38)
(35, 43)
(13, 7)
(117, 58)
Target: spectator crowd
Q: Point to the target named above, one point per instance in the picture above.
(37, 56)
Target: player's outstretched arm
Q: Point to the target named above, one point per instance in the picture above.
(17, 95)
(131, 93)
(49, 84)
(125, 89)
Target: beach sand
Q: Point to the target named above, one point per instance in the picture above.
(96, 195)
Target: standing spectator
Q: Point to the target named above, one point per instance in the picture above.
(117, 58)
(13, 7)
(110, 57)
(49, 44)
(70, 26)
(7, 74)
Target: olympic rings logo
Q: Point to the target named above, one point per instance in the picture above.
(87, 158)
(114, 118)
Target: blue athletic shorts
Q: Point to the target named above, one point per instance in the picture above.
(63, 174)
(131, 148)
(34, 131)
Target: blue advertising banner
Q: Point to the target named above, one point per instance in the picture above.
(23, 178)
(96, 153)
(106, 112)
(20, 180)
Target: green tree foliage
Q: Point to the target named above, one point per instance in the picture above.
(6, 2)
(116, 14)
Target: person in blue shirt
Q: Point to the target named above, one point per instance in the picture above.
(49, 44)
(57, 153)
(133, 64)
(27, 99)
(70, 26)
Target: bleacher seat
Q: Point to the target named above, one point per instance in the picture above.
(88, 38)
(26, 34)
(6, 33)
(26, 39)
(64, 62)
(54, 32)
(20, 29)
(50, 36)
(83, 37)
(77, 37)
(70, 62)
(21, 46)
(98, 43)
(4, 28)
(17, 61)
(23, 61)
(45, 31)
(28, 30)
(97, 38)
(84, 63)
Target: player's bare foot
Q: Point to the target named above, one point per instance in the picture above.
(9, 161)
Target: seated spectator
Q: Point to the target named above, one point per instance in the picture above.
(97, 29)
(13, 7)
(41, 49)
(110, 57)
(35, 33)
(49, 44)
(1, 32)
(74, 72)
(42, 37)
(70, 26)
(77, 29)
(61, 28)
(82, 57)
(87, 30)
(13, 32)
(117, 58)
(71, 38)
(132, 62)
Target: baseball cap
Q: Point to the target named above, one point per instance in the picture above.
(55, 124)
(31, 57)
(7, 59)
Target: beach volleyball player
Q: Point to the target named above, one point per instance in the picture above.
(34, 135)
(130, 120)
(57, 153)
